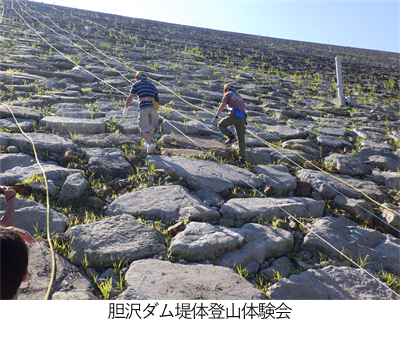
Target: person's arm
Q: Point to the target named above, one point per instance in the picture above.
(8, 217)
(129, 100)
(221, 108)
(128, 103)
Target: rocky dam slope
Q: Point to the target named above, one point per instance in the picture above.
(312, 214)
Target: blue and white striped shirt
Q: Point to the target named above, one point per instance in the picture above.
(144, 88)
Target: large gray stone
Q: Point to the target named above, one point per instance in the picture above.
(261, 243)
(369, 135)
(108, 140)
(109, 162)
(253, 132)
(251, 209)
(333, 132)
(73, 126)
(330, 283)
(288, 132)
(211, 95)
(73, 187)
(258, 155)
(200, 173)
(128, 124)
(79, 113)
(389, 178)
(9, 124)
(347, 164)
(19, 112)
(166, 203)
(252, 141)
(378, 158)
(329, 187)
(344, 234)
(210, 197)
(302, 145)
(282, 265)
(391, 215)
(70, 283)
(41, 187)
(184, 116)
(334, 142)
(153, 279)
(32, 216)
(196, 142)
(76, 74)
(10, 161)
(359, 208)
(118, 238)
(102, 70)
(42, 142)
(202, 241)
(192, 127)
(278, 177)
(377, 145)
(289, 156)
(19, 167)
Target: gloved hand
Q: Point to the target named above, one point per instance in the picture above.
(215, 120)
(125, 112)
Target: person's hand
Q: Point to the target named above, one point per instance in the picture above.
(25, 235)
(125, 112)
(8, 192)
(216, 120)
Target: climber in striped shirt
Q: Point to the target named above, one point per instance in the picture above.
(148, 104)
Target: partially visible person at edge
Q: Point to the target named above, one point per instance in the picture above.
(13, 260)
(146, 92)
(8, 216)
(237, 116)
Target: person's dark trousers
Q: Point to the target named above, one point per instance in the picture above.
(240, 128)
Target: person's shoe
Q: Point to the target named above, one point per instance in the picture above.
(150, 148)
(231, 139)
(242, 160)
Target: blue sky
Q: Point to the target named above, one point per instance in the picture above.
(362, 24)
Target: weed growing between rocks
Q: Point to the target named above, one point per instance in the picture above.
(62, 247)
(105, 287)
(391, 280)
(241, 271)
